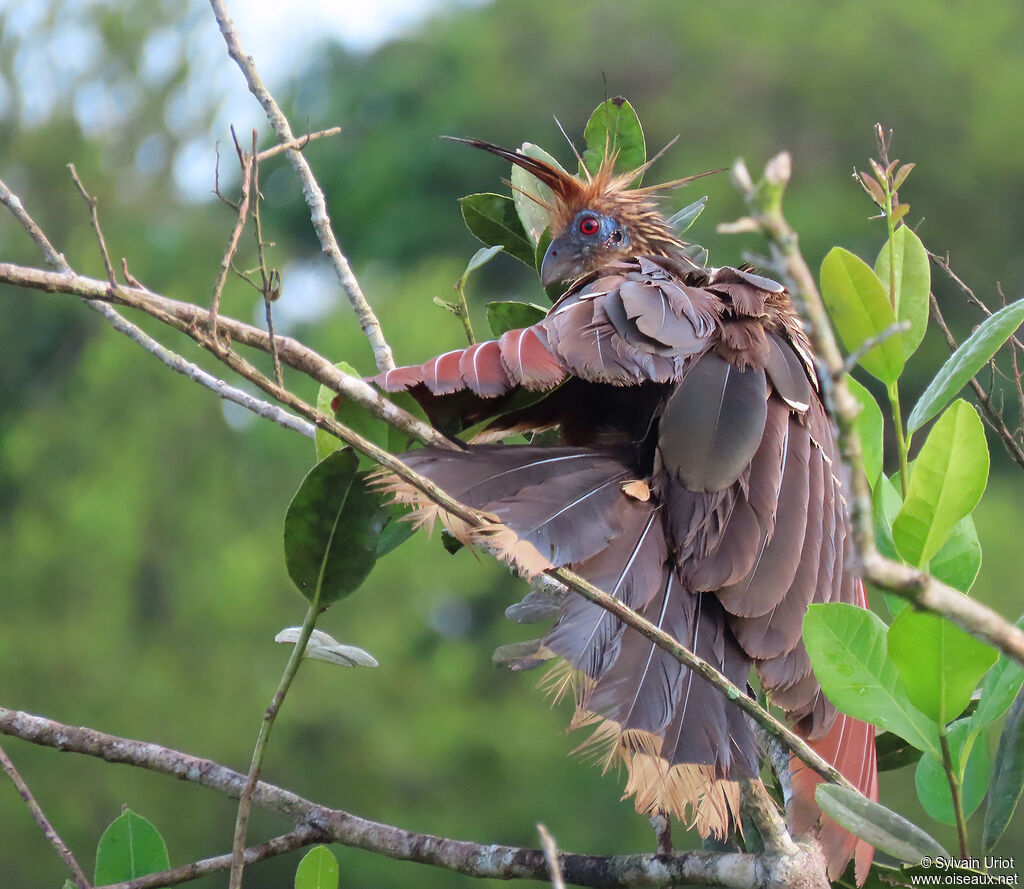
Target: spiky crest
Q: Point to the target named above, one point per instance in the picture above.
(605, 192)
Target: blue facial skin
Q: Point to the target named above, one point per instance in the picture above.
(569, 255)
(608, 232)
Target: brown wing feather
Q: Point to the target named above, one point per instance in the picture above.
(721, 418)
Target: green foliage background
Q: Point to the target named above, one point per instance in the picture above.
(141, 573)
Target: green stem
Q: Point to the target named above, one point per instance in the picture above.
(891, 227)
(463, 313)
(245, 800)
(954, 789)
(902, 441)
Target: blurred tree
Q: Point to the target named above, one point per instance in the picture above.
(139, 582)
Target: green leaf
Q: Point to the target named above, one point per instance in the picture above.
(317, 870)
(933, 785)
(913, 280)
(542, 247)
(130, 847)
(884, 829)
(948, 480)
(1001, 685)
(531, 195)
(894, 753)
(870, 429)
(614, 130)
(331, 530)
(482, 256)
(1008, 776)
(859, 308)
(493, 219)
(958, 562)
(973, 354)
(511, 315)
(395, 531)
(696, 254)
(322, 646)
(886, 503)
(551, 291)
(683, 219)
(350, 414)
(939, 663)
(848, 649)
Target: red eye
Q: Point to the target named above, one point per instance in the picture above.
(589, 226)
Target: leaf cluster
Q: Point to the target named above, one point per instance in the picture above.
(932, 688)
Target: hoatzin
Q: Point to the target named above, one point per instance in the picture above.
(695, 478)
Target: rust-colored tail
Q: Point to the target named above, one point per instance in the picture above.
(850, 747)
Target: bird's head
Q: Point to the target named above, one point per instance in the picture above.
(595, 218)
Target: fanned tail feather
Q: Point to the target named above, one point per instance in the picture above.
(584, 508)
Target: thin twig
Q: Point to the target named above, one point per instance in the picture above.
(187, 315)
(853, 359)
(95, 219)
(310, 188)
(13, 203)
(943, 263)
(296, 144)
(140, 337)
(303, 835)
(994, 416)
(44, 823)
(245, 160)
(195, 373)
(266, 725)
(271, 287)
(955, 793)
(550, 847)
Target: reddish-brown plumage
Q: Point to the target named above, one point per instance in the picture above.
(697, 480)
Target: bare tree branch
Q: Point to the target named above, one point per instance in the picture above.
(136, 334)
(310, 188)
(95, 219)
(992, 413)
(44, 823)
(245, 161)
(184, 316)
(731, 870)
(296, 144)
(304, 835)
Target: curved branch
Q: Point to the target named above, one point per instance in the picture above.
(732, 870)
(183, 316)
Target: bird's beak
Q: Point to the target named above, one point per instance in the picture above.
(559, 264)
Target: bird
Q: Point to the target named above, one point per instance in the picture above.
(680, 457)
